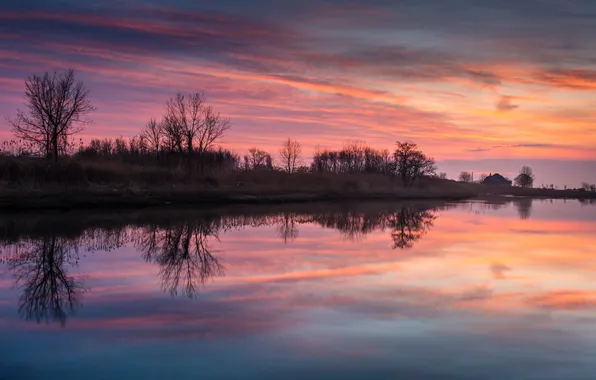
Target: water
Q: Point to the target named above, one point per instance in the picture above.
(375, 291)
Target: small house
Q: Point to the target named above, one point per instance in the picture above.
(496, 180)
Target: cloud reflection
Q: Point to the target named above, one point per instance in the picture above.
(39, 254)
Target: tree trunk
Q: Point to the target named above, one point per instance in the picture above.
(55, 146)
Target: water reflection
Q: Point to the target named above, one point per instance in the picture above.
(183, 254)
(336, 291)
(40, 267)
(588, 201)
(287, 227)
(524, 207)
(39, 257)
(408, 226)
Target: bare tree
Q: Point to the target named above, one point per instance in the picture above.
(192, 126)
(442, 175)
(465, 177)
(214, 129)
(258, 158)
(153, 135)
(57, 108)
(183, 120)
(354, 155)
(290, 153)
(525, 177)
(411, 163)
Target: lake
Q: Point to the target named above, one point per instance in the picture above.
(474, 290)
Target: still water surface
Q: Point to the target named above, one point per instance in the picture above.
(374, 290)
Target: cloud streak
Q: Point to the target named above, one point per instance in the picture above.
(398, 71)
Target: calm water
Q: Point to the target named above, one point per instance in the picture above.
(387, 291)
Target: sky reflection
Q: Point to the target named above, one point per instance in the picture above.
(471, 291)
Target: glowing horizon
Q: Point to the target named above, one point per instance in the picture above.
(464, 85)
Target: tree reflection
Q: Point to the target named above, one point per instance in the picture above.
(49, 293)
(183, 254)
(286, 228)
(587, 201)
(409, 225)
(38, 253)
(524, 207)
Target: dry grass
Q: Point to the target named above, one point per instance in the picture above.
(39, 174)
(34, 183)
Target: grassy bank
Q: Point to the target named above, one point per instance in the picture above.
(487, 191)
(35, 184)
(108, 197)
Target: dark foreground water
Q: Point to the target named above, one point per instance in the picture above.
(365, 291)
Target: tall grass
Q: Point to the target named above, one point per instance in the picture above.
(82, 172)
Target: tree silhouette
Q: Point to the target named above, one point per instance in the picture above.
(411, 163)
(525, 177)
(289, 154)
(57, 108)
(258, 158)
(153, 134)
(466, 177)
(191, 126)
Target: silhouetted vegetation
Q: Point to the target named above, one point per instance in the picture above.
(289, 153)
(57, 108)
(466, 177)
(355, 157)
(411, 163)
(257, 159)
(176, 157)
(525, 177)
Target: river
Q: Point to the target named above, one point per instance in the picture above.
(471, 290)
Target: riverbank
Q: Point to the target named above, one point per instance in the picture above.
(113, 198)
(87, 185)
(130, 198)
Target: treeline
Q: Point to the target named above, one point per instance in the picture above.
(137, 151)
(184, 138)
(355, 157)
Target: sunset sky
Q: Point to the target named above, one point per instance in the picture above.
(480, 85)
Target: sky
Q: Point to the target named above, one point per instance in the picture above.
(479, 84)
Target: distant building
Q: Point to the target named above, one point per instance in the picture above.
(497, 180)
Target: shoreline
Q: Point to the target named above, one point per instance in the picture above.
(125, 198)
